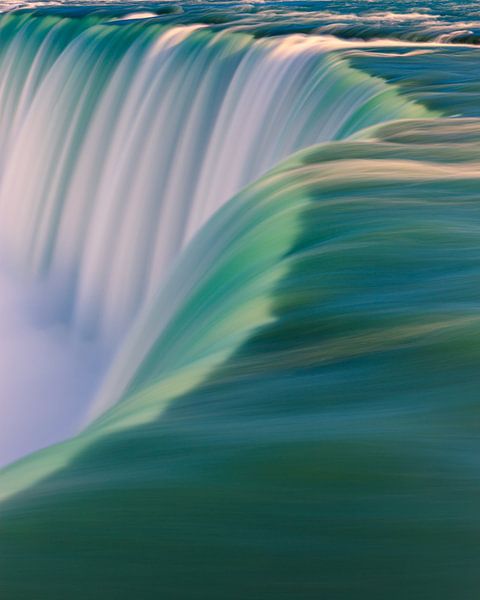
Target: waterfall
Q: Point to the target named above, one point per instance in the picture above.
(239, 328)
(119, 141)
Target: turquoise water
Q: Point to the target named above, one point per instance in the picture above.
(256, 229)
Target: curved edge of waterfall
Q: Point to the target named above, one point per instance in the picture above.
(319, 321)
(303, 277)
(156, 127)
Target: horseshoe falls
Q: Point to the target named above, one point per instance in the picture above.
(239, 300)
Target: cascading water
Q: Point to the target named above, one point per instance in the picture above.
(121, 141)
(239, 267)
